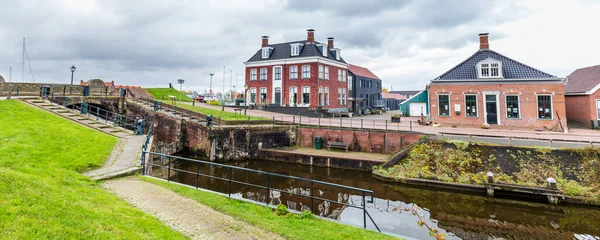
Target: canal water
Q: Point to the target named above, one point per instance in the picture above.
(459, 216)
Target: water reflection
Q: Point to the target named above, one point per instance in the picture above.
(456, 215)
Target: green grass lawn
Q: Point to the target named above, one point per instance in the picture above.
(216, 113)
(264, 217)
(158, 93)
(42, 193)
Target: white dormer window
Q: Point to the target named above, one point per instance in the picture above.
(296, 49)
(489, 68)
(336, 53)
(266, 52)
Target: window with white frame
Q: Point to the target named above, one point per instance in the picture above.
(253, 74)
(544, 106)
(263, 74)
(344, 78)
(340, 75)
(326, 96)
(294, 72)
(277, 73)
(512, 106)
(296, 47)
(321, 72)
(344, 96)
(489, 68)
(263, 95)
(266, 52)
(321, 96)
(471, 105)
(306, 95)
(293, 96)
(350, 83)
(326, 73)
(253, 95)
(444, 105)
(306, 72)
(339, 96)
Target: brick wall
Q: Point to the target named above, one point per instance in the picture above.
(582, 109)
(359, 140)
(527, 103)
(314, 83)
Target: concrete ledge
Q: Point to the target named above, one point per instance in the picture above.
(117, 174)
(318, 160)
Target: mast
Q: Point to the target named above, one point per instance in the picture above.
(23, 62)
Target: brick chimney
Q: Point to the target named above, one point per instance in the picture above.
(265, 41)
(483, 41)
(330, 42)
(310, 35)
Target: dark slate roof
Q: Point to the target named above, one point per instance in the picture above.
(406, 93)
(284, 51)
(583, 80)
(511, 69)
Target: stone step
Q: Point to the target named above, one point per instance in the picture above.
(63, 111)
(36, 101)
(104, 127)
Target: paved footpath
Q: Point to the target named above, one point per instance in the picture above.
(182, 214)
(124, 159)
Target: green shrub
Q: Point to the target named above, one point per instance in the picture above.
(281, 210)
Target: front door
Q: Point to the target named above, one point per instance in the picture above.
(491, 109)
(277, 96)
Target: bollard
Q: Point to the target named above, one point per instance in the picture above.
(490, 177)
(411, 126)
(361, 124)
(341, 121)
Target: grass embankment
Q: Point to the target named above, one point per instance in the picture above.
(217, 113)
(264, 217)
(158, 93)
(577, 171)
(42, 193)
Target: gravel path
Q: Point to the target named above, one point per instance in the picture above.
(182, 214)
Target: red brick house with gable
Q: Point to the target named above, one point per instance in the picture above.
(303, 73)
(582, 94)
(491, 88)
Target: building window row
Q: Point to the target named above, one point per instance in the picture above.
(513, 110)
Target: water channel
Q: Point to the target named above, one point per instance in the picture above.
(459, 216)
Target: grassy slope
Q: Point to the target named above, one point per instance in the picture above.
(217, 113)
(265, 218)
(42, 195)
(158, 93)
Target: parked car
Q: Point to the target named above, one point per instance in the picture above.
(199, 98)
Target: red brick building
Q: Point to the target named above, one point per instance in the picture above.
(491, 88)
(303, 73)
(582, 93)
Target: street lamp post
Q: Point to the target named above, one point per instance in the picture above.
(73, 68)
(180, 81)
(210, 88)
(245, 98)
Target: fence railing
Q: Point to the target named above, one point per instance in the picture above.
(266, 185)
(114, 118)
(340, 122)
(510, 140)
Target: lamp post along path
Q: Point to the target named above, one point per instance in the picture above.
(73, 68)
(180, 81)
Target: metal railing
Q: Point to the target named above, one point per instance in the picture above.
(229, 180)
(510, 140)
(386, 125)
(114, 118)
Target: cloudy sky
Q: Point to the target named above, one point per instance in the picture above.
(406, 43)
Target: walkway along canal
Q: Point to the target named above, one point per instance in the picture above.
(459, 216)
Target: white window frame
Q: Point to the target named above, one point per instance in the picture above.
(350, 82)
(476, 106)
(339, 75)
(293, 89)
(518, 104)
(260, 100)
(252, 91)
(339, 96)
(486, 64)
(326, 72)
(295, 49)
(321, 72)
(326, 96)
(264, 70)
(321, 96)
(344, 77)
(440, 105)
(266, 52)
(253, 73)
(307, 71)
(293, 72)
(275, 73)
(345, 96)
(598, 108)
(302, 96)
(537, 105)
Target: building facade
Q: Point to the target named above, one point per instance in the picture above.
(416, 105)
(303, 73)
(582, 95)
(491, 88)
(365, 89)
